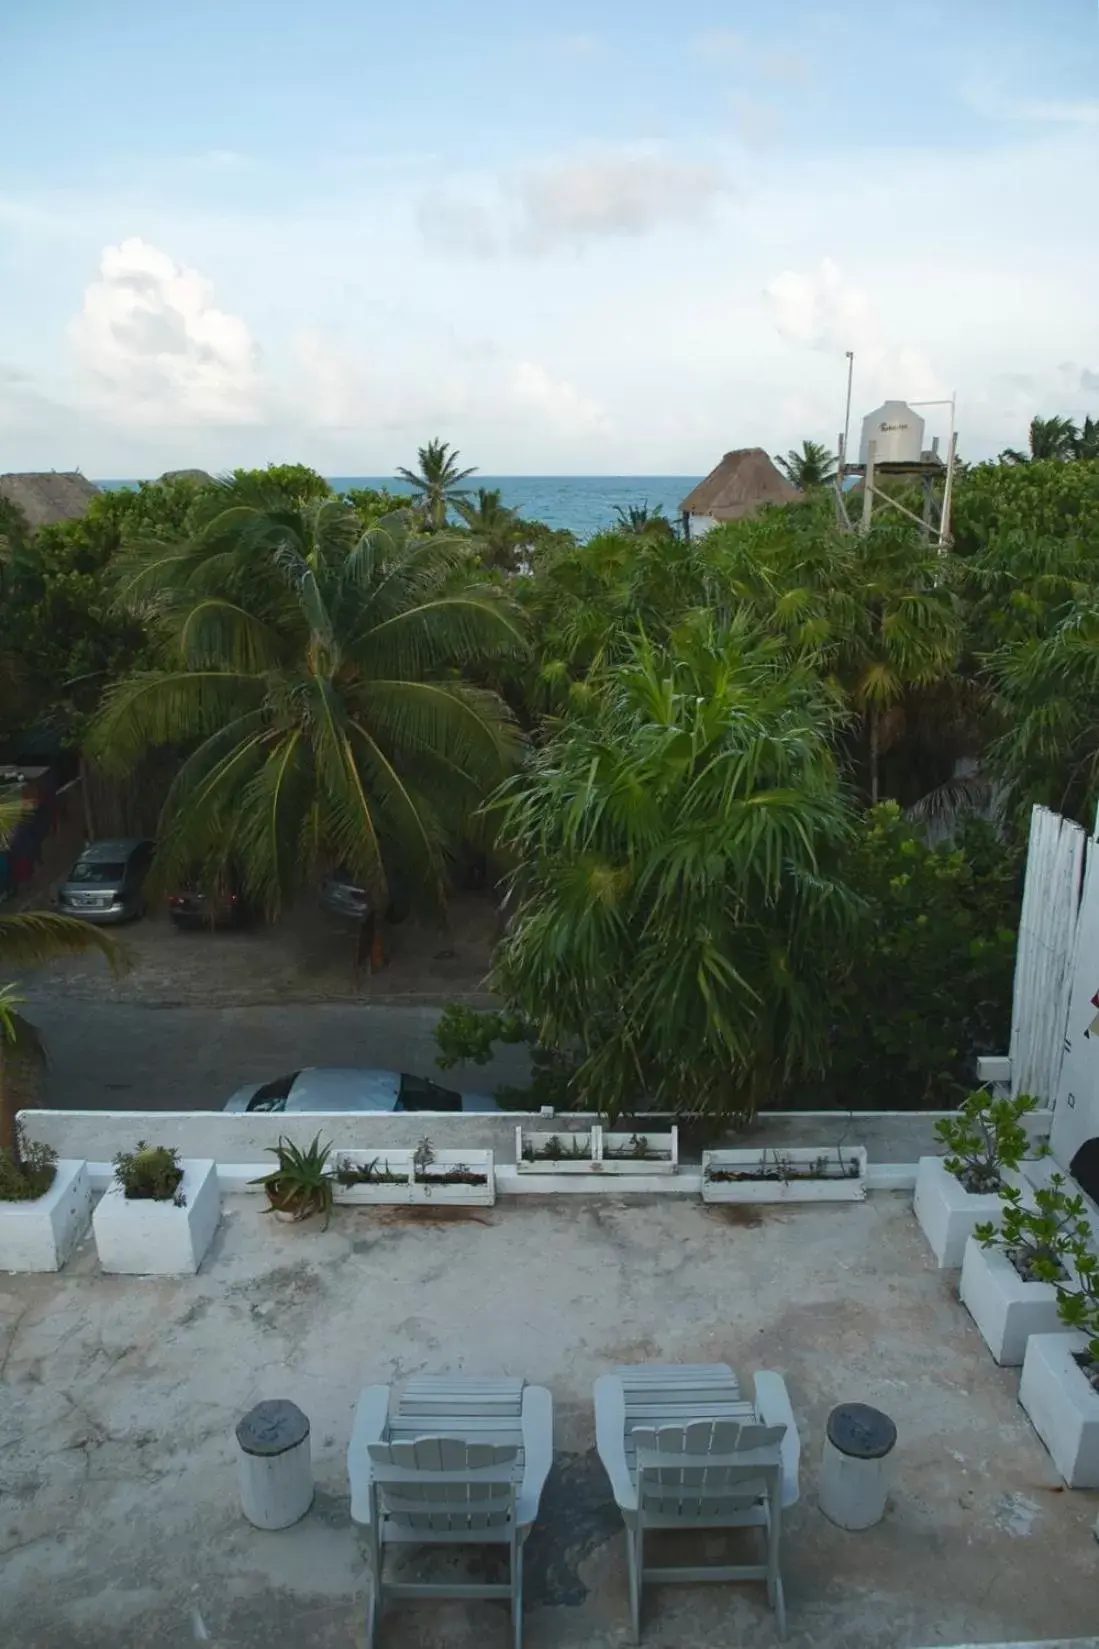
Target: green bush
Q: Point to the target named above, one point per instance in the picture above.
(985, 1137)
(26, 1173)
(152, 1173)
(926, 986)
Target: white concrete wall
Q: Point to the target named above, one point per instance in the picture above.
(890, 1137)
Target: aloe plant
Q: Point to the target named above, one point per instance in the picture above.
(301, 1183)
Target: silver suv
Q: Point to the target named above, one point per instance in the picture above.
(104, 885)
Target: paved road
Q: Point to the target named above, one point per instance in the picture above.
(119, 1056)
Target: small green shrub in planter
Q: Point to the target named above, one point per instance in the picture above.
(985, 1137)
(26, 1172)
(152, 1173)
(1040, 1240)
(1078, 1308)
(301, 1183)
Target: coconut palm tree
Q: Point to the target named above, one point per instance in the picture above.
(1087, 442)
(1050, 438)
(29, 939)
(498, 528)
(438, 481)
(813, 466)
(314, 678)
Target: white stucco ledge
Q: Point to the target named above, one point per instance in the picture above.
(140, 1237)
(40, 1235)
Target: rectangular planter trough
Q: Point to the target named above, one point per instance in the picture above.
(605, 1152)
(141, 1237)
(530, 1149)
(1062, 1405)
(430, 1190)
(40, 1235)
(1006, 1309)
(948, 1213)
(800, 1174)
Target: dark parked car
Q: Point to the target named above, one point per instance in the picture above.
(220, 906)
(335, 1088)
(104, 885)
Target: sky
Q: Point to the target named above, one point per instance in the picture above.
(609, 238)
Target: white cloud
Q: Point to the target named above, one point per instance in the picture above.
(611, 195)
(820, 309)
(332, 393)
(988, 97)
(560, 404)
(157, 347)
(571, 203)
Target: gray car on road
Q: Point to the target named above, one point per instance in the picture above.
(104, 885)
(349, 1088)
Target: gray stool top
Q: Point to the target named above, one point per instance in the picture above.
(272, 1427)
(864, 1433)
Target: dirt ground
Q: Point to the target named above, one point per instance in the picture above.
(307, 957)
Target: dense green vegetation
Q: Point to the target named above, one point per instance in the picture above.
(706, 769)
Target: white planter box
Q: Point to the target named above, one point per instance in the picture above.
(539, 1164)
(948, 1213)
(843, 1177)
(410, 1192)
(145, 1238)
(1006, 1309)
(662, 1153)
(40, 1235)
(1062, 1406)
(601, 1146)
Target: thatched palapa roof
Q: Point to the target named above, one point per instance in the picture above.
(741, 484)
(48, 498)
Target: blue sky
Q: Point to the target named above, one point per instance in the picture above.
(620, 241)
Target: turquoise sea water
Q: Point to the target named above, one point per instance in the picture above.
(585, 504)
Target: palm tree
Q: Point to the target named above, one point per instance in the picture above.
(674, 849)
(438, 482)
(1050, 438)
(29, 939)
(1087, 442)
(813, 466)
(639, 521)
(496, 526)
(314, 676)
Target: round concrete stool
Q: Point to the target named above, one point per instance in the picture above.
(276, 1472)
(854, 1476)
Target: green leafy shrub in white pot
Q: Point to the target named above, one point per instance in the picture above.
(985, 1142)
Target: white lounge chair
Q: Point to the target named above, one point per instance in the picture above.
(684, 1450)
(449, 1461)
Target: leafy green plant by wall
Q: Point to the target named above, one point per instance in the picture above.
(985, 1138)
(26, 1172)
(925, 985)
(1043, 1240)
(151, 1173)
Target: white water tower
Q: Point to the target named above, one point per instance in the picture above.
(897, 432)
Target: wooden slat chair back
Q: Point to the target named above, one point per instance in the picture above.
(706, 1473)
(445, 1489)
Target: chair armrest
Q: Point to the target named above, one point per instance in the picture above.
(371, 1419)
(773, 1408)
(610, 1439)
(537, 1452)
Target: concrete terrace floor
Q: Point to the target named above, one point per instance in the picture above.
(119, 1519)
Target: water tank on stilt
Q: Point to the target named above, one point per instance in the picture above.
(897, 431)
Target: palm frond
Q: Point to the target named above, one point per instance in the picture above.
(33, 938)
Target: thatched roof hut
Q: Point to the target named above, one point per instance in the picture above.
(49, 498)
(742, 483)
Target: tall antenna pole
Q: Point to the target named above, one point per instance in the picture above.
(847, 414)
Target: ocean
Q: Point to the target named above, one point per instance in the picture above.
(584, 504)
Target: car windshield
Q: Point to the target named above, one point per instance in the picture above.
(272, 1096)
(98, 872)
(418, 1094)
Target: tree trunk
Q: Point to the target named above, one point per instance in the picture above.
(875, 756)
